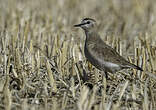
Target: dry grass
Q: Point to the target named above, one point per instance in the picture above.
(42, 65)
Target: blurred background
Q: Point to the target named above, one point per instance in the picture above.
(123, 17)
(126, 19)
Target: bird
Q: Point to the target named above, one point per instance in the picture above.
(98, 53)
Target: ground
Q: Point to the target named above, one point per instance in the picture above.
(42, 63)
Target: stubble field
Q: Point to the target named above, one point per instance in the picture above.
(42, 63)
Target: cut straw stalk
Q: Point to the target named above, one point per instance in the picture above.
(51, 78)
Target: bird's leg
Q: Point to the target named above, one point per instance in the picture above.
(104, 79)
(105, 74)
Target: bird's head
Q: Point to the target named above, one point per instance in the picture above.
(87, 24)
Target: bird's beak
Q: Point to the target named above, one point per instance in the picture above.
(78, 25)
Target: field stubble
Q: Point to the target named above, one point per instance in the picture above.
(42, 65)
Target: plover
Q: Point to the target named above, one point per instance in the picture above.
(98, 53)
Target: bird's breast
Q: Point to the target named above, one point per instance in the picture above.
(91, 58)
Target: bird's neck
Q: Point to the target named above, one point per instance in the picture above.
(92, 36)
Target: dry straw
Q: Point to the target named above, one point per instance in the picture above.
(42, 64)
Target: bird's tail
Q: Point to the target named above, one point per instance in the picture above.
(130, 65)
(137, 67)
(150, 74)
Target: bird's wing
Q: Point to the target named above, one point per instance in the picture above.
(104, 53)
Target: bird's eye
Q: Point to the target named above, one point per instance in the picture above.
(88, 22)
